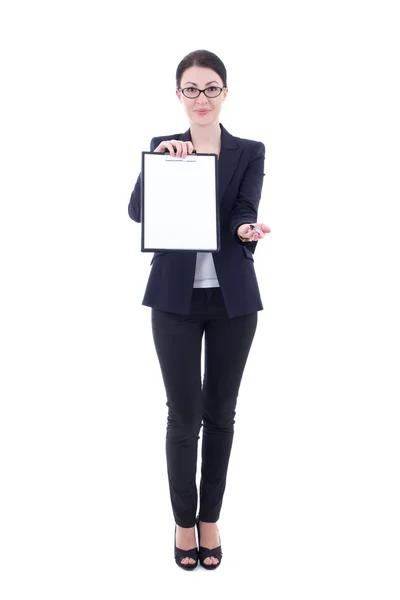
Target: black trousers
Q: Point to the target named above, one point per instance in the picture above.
(191, 404)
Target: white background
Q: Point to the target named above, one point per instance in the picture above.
(311, 506)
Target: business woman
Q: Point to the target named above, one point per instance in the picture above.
(212, 294)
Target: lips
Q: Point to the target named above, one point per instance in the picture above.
(202, 112)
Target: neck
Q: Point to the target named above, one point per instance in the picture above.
(205, 134)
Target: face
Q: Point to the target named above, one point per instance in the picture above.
(201, 78)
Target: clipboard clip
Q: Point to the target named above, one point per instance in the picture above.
(188, 158)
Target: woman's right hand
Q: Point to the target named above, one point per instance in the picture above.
(180, 147)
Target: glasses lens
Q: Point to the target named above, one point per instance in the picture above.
(213, 92)
(191, 92)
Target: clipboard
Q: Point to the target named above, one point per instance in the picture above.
(179, 205)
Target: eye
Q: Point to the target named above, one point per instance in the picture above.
(213, 88)
(191, 89)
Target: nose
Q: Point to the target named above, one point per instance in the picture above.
(202, 101)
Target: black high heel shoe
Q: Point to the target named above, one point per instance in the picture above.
(181, 554)
(208, 552)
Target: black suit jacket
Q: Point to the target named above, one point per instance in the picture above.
(240, 181)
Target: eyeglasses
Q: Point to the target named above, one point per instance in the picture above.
(210, 92)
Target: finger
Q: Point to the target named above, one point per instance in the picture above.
(175, 145)
(187, 146)
(180, 149)
(169, 146)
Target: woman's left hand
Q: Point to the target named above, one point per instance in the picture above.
(245, 231)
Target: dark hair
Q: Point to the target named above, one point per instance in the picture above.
(201, 58)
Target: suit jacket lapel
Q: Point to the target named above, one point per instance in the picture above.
(227, 161)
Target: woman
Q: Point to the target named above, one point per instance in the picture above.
(215, 294)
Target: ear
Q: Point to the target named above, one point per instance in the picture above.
(178, 95)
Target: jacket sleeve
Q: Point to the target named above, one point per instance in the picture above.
(134, 207)
(245, 208)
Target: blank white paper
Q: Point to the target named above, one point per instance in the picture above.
(180, 206)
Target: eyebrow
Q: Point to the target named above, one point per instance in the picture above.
(197, 84)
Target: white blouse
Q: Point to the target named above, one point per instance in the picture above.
(205, 274)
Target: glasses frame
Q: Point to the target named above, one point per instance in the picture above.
(221, 89)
